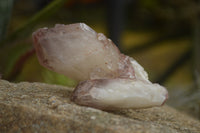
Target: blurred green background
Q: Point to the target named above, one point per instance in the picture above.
(162, 35)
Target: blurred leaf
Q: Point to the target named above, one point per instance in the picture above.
(9, 55)
(27, 28)
(33, 71)
(5, 12)
(14, 45)
(55, 78)
(150, 4)
(196, 53)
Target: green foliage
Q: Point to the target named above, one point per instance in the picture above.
(55, 78)
(9, 56)
(150, 4)
(27, 28)
(32, 71)
(16, 44)
(5, 12)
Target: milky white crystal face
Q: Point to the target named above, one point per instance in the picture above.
(110, 80)
(140, 73)
(120, 93)
(77, 51)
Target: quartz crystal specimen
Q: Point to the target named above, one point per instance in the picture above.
(108, 79)
(119, 93)
(80, 53)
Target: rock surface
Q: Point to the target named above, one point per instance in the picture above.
(37, 107)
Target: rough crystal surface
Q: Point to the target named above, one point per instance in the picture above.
(110, 79)
(79, 52)
(109, 94)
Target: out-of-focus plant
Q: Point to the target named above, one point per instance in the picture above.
(27, 28)
(196, 53)
(5, 12)
(16, 48)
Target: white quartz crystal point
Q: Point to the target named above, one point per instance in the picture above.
(109, 94)
(80, 53)
(140, 73)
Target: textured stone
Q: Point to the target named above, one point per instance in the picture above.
(37, 107)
